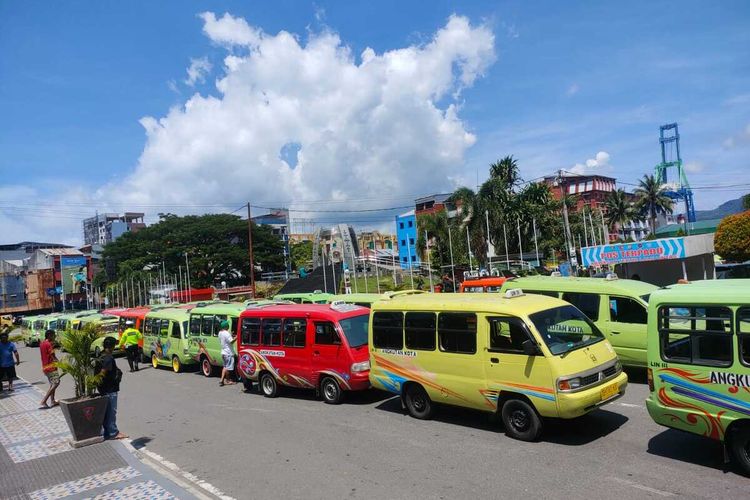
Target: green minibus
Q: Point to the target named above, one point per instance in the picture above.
(41, 324)
(699, 362)
(316, 297)
(165, 338)
(619, 308)
(205, 321)
(27, 326)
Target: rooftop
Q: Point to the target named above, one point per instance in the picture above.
(602, 285)
(718, 292)
(469, 302)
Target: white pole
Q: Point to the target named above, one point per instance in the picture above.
(187, 273)
(179, 282)
(468, 245)
(393, 263)
(429, 265)
(411, 272)
(487, 221)
(536, 245)
(364, 268)
(585, 230)
(377, 271)
(593, 232)
(605, 229)
(325, 282)
(453, 268)
(520, 248)
(507, 256)
(333, 271)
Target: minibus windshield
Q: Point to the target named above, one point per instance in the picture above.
(355, 329)
(565, 328)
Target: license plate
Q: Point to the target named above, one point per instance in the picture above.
(609, 391)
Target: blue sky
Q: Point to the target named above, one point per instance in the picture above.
(570, 79)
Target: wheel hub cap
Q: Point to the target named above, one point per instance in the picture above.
(520, 420)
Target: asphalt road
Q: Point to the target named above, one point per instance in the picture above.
(295, 446)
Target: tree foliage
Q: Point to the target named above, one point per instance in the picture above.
(732, 239)
(652, 199)
(216, 246)
(301, 254)
(746, 202)
(619, 209)
(79, 361)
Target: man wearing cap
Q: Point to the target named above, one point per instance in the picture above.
(131, 339)
(227, 353)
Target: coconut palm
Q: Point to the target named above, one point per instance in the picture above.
(619, 210)
(506, 170)
(652, 199)
(472, 217)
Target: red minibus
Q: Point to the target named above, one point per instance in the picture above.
(482, 285)
(136, 315)
(313, 346)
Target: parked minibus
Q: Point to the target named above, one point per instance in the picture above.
(108, 326)
(313, 346)
(165, 338)
(27, 326)
(137, 315)
(205, 322)
(487, 284)
(699, 362)
(618, 307)
(316, 297)
(40, 326)
(359, 299)
(521, 356)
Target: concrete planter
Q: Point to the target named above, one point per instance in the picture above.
(85, 418)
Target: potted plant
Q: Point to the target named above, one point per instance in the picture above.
(85, 412)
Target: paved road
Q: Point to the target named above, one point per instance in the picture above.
(295, 446)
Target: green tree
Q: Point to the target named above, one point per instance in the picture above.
(619, 210)
(746, 202)
(216, 245)
(652, 199)
(732, 239)
(301, 253)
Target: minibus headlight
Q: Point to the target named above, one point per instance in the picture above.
(362, 366)
(569, 384)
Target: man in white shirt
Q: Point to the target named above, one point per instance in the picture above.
(227, 353)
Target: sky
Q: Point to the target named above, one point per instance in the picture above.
(334, 108)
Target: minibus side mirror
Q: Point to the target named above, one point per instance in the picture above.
(530, 348)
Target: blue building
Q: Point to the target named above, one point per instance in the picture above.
(406, 234)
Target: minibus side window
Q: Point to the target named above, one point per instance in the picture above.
(175, 326)
(121, 323)
(271, 331)
(250, 334)
(625, 310)
(696, 335)
(457, 332)
(146, 326)
(325, 334)
(587, 303)
(164, 331)
(207, 324)
(295, 331)
(217, 323)
(195, 325)
(419, 329)
(507, 335)
(743, 331)
(388, 330)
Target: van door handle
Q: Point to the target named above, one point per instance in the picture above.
(494, 360)
(615, 332)
(316, 353)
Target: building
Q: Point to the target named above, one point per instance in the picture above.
(105, 228)
(435, 203)
(591, 190)
(335, 244)
(406, 234)
(278, 221)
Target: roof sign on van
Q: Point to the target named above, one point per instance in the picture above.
(341, 306)
(514, 292)
(611, 277)
(556, 274)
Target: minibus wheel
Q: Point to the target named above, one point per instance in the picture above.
(740, 445)
(154, 360)
(521, 420)
(331, 391)
(268, 385)
(418, 402)
(206, 367)
(176, 365)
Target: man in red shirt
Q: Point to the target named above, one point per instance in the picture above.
(49, 367)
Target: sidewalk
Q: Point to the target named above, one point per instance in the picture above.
(37, 462)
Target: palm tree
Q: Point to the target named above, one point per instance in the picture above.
(506, 170)
(472, 217)
(652, 199)
(619, 209)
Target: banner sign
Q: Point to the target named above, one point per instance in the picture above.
(74, 274)
(642, 251)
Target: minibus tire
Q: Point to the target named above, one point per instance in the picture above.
(154, 360)
(520, 419)
(268, 385)
(176, 365)
(330, 391)
(205, 362)
(418, 402)
(740, 445)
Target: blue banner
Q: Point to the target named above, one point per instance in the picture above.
(642, 251)
(73, 261)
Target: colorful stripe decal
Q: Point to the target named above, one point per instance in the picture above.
(399, 375)
(706, 395)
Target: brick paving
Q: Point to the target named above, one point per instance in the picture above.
(37, 461)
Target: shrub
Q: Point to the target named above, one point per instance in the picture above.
(732, 239)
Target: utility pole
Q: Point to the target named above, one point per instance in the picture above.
(568, 237)
(536, 245)
(605, 229)
(453, 267)
(468, 246)
(250, 249)
(429, 265)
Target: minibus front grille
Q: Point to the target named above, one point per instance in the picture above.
(590, 379)
(608, 372)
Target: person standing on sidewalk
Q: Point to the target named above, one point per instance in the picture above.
(227, 353)
(110, 387)
(7, 366)
(131, 339)
(49, 367)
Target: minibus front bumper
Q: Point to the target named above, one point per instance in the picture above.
(575, 404)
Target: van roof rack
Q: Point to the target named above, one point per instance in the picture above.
(400, 293)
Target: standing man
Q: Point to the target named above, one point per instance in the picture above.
(227, 353)
(131, 339)
(7, 366)
(49, 367)
(109, 387)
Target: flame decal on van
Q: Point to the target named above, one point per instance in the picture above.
(396, 375)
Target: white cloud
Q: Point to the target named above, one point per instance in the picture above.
(197, 71)
(737, 100)
(599, 164)
(741, 138)
(573, 89)
(366, 129)
(694, 167)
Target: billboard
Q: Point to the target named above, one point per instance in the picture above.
(642, 251)
(74, 274)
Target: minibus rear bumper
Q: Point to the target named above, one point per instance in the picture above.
(575, 404)
(359, 381)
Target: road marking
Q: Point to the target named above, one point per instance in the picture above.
(630, 405)
(175, 469)
(639, 486)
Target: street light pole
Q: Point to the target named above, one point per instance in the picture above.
(250, 249)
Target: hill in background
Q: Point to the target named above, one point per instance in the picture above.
(727, 208)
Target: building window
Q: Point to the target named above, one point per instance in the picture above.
(411, 242)
(403, 243)
(413, 258)
(400, 225)
(403, 258)
(411, 223)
